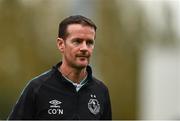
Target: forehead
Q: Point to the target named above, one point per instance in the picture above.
(79, 29)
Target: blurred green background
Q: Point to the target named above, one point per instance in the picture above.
(28, 31)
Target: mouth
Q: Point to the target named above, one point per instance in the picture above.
(83, 57)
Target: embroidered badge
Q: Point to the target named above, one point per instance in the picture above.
(93, 105)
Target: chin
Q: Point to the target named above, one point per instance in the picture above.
(82, 65)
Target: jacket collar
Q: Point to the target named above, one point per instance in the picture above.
(59, 74)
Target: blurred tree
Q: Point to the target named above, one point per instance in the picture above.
(120, 29)
(17, 50)
(20, 48)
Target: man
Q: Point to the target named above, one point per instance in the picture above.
(68, 90)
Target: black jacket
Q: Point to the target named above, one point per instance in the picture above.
(50, 96)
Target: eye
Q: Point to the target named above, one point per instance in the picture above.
(90, 42)
(76, 41)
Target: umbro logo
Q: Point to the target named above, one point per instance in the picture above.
(55, 103)
(55, 108)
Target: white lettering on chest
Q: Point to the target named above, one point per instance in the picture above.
(55, 108)
(55, 111)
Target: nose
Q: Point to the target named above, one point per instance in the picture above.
(84, 46)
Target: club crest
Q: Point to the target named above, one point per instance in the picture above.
(93, 105)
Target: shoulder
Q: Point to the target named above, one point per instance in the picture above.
(100, 84)
(36, 82)
(42, 77)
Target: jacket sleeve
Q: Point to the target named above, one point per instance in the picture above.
(24, 108)
(107, 113)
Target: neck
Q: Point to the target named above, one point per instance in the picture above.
(74, 74)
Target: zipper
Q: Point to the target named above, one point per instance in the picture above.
(76, 110)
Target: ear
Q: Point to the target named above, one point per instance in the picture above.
(60, 44)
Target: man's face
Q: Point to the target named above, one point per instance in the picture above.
(78, 46)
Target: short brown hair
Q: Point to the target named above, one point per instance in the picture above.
(76, 19)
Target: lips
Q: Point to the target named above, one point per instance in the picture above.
(83, 56)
